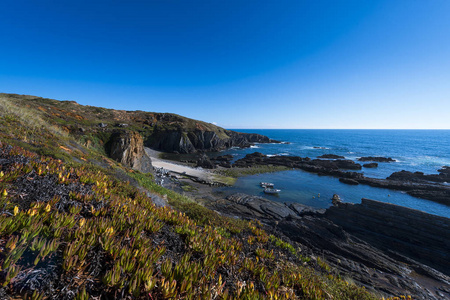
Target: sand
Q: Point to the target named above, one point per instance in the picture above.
(199, 173)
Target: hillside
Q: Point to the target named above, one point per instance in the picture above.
(93, 126)
(77, 224)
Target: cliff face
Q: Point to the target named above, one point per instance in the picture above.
(189, 141)
(418, 235)
(127, 147)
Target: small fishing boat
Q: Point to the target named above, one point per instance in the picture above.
(267, 185)
(271, 191)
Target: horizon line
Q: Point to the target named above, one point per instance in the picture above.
(228, 128)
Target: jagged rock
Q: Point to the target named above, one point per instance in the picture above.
(370, 165)
(418, 235)
(226, 158)
(198, 140)
(205, 162)
(336, 200)
(351, 245)
(331, 156)
(420, 176)
(445, 171)
(254, 207)
(127, 147)
(376, 158)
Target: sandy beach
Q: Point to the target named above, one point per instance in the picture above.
(199, 173)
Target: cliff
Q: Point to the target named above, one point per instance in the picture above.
(127, 147)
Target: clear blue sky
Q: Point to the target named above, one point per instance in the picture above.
(240, 64)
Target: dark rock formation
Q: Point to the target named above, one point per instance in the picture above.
(254, 207)
(443, 176)
(364, 241)
(412, 233)
(127, 147)
(183, 141)
(205, 162)
(336, 200)
(370, 165)
(376, 158)
(425, 190)
(226, 158)
(331, 156)
(445, 171)
(348, 181)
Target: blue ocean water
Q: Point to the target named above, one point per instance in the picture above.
(413, 150)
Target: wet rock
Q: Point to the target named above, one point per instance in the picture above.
(420, 176)
(348, 181)
(370, 165)
(376, 158)
(331, 156)
(336, 200)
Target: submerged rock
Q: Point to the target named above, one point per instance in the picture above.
(331, 156)
(376, 158)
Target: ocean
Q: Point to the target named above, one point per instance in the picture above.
(414, 150)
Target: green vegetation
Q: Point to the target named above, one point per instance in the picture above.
(70, 229)
(117, 225)
(239, 172)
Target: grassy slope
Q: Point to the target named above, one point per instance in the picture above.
(82, 121)
(91, 234)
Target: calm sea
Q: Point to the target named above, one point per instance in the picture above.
(413, 150)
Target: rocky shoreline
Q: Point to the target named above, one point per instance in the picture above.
(374, 243)
(431, 187)
(390, 249)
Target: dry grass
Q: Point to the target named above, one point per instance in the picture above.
(29, 118)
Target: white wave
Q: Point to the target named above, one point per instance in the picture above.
(313, 148)
(254, 147)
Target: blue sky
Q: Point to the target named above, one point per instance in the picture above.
(240, 64)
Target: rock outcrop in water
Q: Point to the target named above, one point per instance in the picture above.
(331, 156)
(376, 158)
